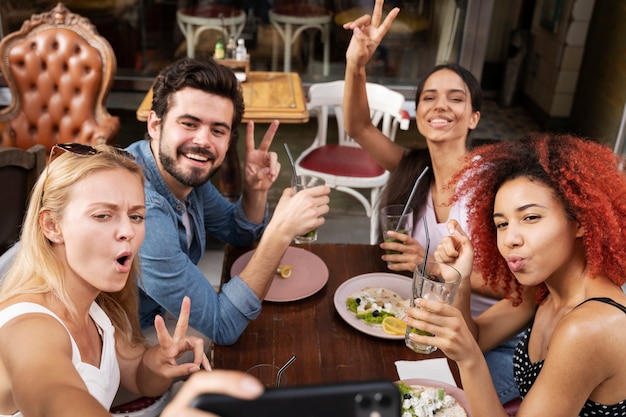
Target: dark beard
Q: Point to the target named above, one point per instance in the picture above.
(195, 178)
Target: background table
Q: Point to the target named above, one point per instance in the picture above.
(301, 17)
(194, 20)
(327, 348)
(267, 96)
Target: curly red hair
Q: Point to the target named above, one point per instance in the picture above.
(585, 178)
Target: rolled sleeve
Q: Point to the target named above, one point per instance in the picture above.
(242, 297)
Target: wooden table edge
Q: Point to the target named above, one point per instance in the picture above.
(291, 116)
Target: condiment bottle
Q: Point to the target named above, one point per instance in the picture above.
(242, 52)
(231, 48)
(219, 49)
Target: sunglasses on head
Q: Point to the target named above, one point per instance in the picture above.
(81, 149)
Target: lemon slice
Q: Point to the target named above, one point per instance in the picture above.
(284, 271)
(393, 325)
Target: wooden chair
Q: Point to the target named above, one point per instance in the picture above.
(19, 170)
(346, 166)
(60, 71)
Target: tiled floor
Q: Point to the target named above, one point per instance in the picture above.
(503, 123)
(346, 223)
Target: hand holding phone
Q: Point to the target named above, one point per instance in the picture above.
(347, 399)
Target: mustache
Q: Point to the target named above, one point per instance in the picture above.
(199, 151)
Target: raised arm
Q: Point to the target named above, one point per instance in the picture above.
(367, 33)
(36, 357)
(295, 214)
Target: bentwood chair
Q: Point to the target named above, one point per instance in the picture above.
(59, 71)
(19, 170)
(346, 166)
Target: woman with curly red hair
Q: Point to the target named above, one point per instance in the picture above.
(553, 207)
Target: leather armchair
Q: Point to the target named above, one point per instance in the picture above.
(60, 71)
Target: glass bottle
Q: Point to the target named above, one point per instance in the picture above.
(219, 49)
(241, 52)
(231, 48)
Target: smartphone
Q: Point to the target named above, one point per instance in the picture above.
(346, 399)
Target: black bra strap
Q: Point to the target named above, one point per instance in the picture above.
(605, 300)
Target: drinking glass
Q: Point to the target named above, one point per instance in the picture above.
(436, 281)
(391, 218)
(307, 181)
(267, 373)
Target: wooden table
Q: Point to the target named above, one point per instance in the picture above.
(327, 348)
(267, 96)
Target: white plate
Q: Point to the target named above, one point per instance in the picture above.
(456, 392)
(309, 274)
(395, 282)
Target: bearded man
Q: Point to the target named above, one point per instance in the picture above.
(196, 107)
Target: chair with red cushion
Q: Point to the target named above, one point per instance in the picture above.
(345, 166)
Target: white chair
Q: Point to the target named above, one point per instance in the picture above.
(345, 166)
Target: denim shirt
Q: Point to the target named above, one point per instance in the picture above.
(169, 269)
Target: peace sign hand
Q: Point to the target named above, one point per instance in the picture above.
(261, 167)
(163, 357)
(367, 33)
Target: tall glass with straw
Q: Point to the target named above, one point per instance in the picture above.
(398, 218)
(300, 182)
(433, 281)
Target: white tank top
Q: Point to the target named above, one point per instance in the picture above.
(102, 382)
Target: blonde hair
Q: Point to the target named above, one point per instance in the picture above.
(37, 270)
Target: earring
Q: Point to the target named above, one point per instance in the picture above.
(57, 240)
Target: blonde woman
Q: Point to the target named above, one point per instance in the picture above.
(69, 331)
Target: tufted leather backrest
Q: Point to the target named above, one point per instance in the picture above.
(60, 71)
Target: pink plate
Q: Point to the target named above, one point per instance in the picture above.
(309, 274)
(456, 392)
